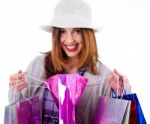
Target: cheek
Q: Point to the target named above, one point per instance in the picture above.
(62, 46)
(61, 42)
(81, 46)
(61, 39)
(79, 39)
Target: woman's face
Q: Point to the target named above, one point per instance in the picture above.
(71, 41)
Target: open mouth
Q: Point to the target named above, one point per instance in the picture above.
(72, 47)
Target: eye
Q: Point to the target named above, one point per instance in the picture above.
(77, 30)
(62, 31)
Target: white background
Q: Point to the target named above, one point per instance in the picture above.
(123, 43)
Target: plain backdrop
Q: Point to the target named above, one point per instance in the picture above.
(122, 44)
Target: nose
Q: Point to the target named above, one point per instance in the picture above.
(69, 38)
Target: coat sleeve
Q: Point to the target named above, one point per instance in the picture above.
(13, 96)
(34, 69)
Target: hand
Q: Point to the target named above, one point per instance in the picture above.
(21, 84)
(117, 81)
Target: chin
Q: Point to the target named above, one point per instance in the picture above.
(72, 55)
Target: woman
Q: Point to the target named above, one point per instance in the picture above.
(74, 50)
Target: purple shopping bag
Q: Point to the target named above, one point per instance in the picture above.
(29, 111)
(26, 111)
(66, 90)
(110, 111)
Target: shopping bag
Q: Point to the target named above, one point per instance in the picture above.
(127, 114)
(11, 113)
(133, 119)
(66, 90)
(137, 114)
(29, 111)
(130, 115)
(26, 111)
(110, 111)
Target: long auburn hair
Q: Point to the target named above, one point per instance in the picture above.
(56, 59)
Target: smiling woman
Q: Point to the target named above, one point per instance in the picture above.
(74, 45)
(74, 50)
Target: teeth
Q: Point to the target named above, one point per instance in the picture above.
(71, 46)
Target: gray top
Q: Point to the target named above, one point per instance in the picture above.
(97, 85)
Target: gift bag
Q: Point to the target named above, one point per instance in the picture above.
(133, 119)
(66, 90)
(110, 111)
(29, 111)
(127, 114)
(11, 114)
(26, 111)
(137, 116)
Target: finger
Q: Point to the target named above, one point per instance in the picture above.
(16, 77)
(115, 71)
(13, 76)
(20, 74)
(113, 80)
(20, 88)
(121, 80)
(17, 82)
(13, 82)
(116, 87)
(112, 76)
(21, 84)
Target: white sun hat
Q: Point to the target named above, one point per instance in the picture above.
(71, 14)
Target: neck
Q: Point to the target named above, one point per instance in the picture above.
(72, 62)
(71, 67)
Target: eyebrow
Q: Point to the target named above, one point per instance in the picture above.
(62, 28)
(77, 28)
(72, 28)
